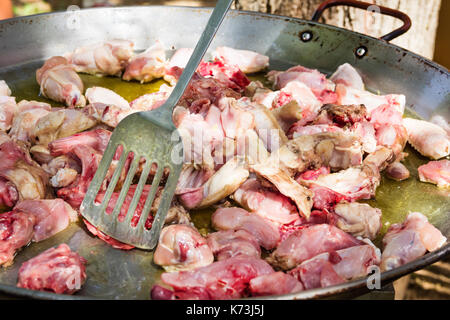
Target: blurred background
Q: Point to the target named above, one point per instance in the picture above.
(428, 37)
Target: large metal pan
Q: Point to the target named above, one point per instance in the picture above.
(114, 274)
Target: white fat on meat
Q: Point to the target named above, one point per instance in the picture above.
(106, 96)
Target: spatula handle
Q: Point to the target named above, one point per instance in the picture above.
(213, 25)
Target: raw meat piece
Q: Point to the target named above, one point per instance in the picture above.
(437, 172)
(181, 247)
(347, 75)
(8, 110)
(4, 89)
(397, 171)
(52, 216)
(97, 139)
(24, 123)
(230, 243)
(106, 58)
(267, 202)
(106, 96)
(18, 171)
(147, 65)
(16, 231)
(427, 138)
(407, 241)
(309, 242)
(176, 64)
(226, 279)
(276, 283)
(60, 82)
(229, 75)
(335, 267)
(60, 123)
(247, 61)
(358, 219)
(57, 269)
(239, 219)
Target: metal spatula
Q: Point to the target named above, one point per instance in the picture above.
(152, 136)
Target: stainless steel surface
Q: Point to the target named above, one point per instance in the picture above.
(115, 274)
(152, 136)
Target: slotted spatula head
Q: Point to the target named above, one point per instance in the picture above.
(149, 136)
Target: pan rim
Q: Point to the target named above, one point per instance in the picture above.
(350, 286)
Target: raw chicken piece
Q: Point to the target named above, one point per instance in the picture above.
(264, 96)
(437, 172)
(106, 96)
(181, 247)
(8, 194)
(348, 76)
(309, 242)
(4, 89)
(24, 122)
(176, 64)
(147, 65)
(230, 243)
(226, 279)
(59, 270)
(274, 284)
(97, 139)
(20, 173)
(397, 171)
(336, 267)
(246, 60)
(8, 110)
(106, 58)
(409, 240)
(427, 138)
(60, 82)
(267, 202)
(349, 96)
(313, 79)
(239, 219)
(16, 231)
(52, 216)
(358, 219)
(60, 123)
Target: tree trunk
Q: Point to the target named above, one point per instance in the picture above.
(423, 13)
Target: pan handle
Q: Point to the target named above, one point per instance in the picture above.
(364, 5)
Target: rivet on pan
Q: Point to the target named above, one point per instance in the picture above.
(306, 36)
(361, 52)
